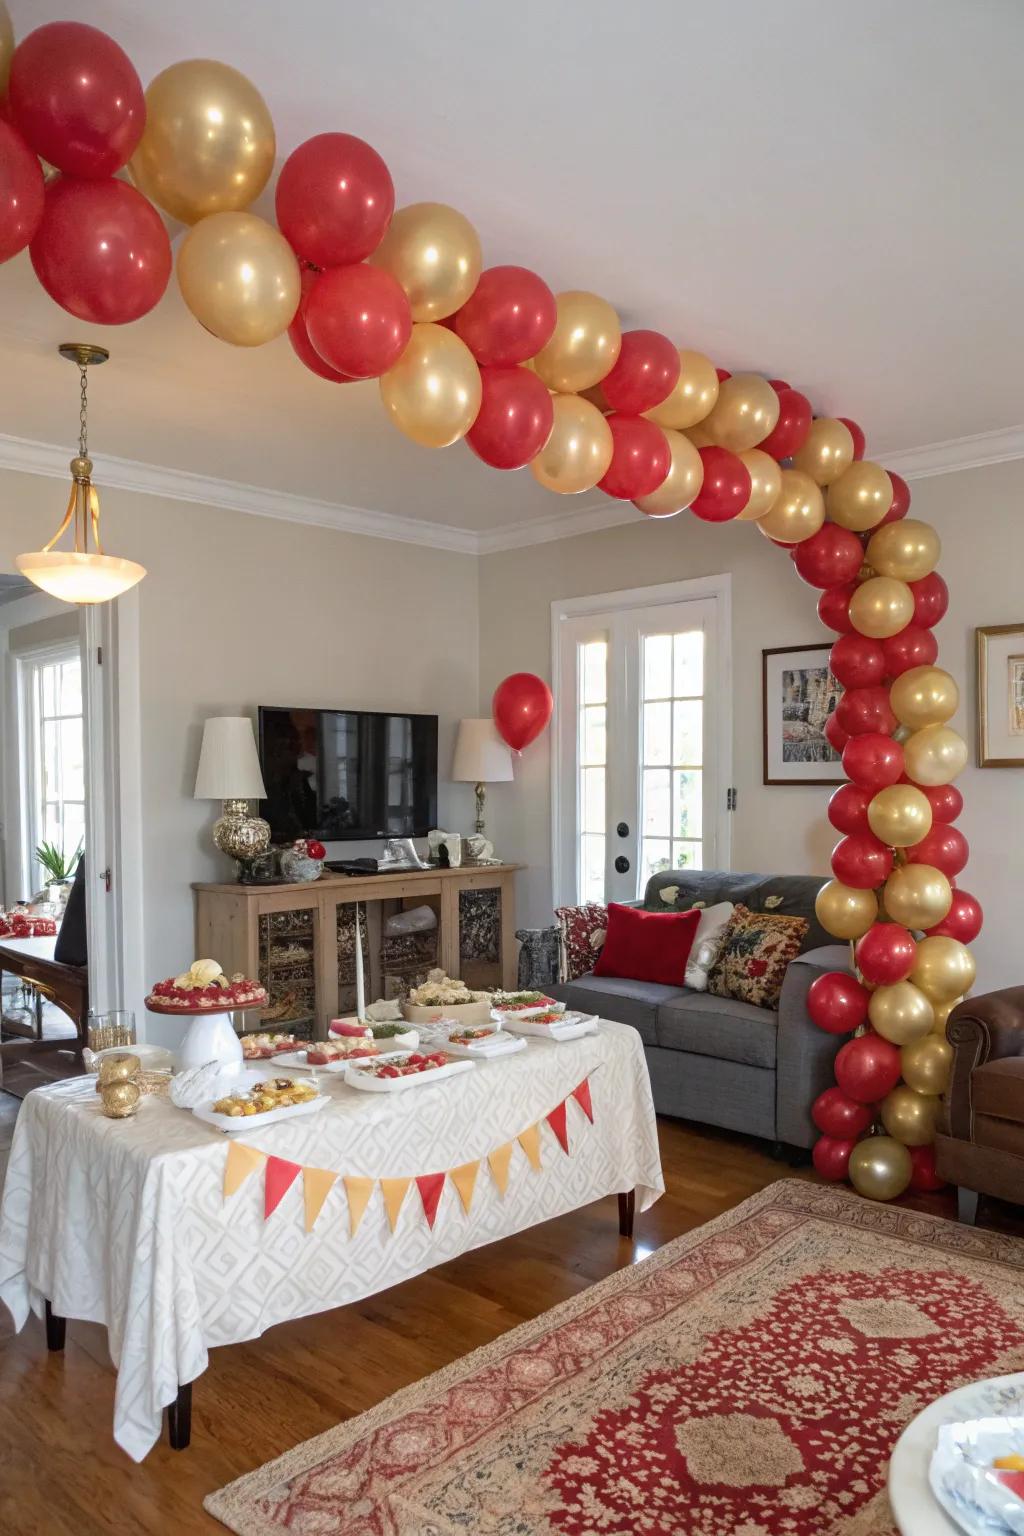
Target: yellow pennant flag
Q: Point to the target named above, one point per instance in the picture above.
(499, 1162)
(530, 1143)
(317, 1184)
(393, 1191)
(358, 1190)
(464, 1179)
(242, 1161)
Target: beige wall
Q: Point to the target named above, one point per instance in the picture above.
(776, 829)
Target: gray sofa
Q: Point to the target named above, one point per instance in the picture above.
(715, 1060)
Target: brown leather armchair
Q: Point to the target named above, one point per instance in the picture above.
(980, 1145)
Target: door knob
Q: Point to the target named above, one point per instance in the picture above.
(622, 829)
(622, 864)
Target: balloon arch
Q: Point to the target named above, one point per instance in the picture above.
(552, 382)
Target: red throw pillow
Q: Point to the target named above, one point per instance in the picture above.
(647, 946)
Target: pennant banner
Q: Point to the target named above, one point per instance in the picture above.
(529, 1140)
(556, 1120)
(430, 1186)
(393, 1191)
(583, 1099)
(464, 1179)
(358, 1190)
(242, 1161)
(317, 1184)
(499, 1161)
(281, 1175)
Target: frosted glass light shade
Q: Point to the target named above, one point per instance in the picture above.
(229, 767)
(481, 757)
(80, 578)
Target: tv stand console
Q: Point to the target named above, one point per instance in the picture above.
(299, 939)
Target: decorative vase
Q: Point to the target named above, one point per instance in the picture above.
(210, 1037)
(300, 867)
(239, 834)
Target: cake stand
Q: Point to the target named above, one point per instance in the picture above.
(210, 1036)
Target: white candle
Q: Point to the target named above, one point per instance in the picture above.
(360, 994)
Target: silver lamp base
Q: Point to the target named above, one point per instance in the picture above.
(240, 835)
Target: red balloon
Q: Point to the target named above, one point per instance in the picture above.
(859, 440)
(835, 735)
(358, 319)
(299, 337)
(641, 458)
(834, 607)
(861, 860)
(867, 1068)
(726, 488)
(522, 706)
(836, 1115)
(944, 848)
(831, 1157)
(21, 192)
(101, 251)
(923, 1175)
(848, 808)
(861, 710)
(838, 1004)
(900, 498)
(334, 199)
(723, 374)
(931, 599)
(515, 418)
(963, 920)
(779, 385)
(645, 372)
(857, 661)
(945, 800)
(912, 647)
(873, 761)
(829, 557)
(75, 98)
(885, 954)
(508, 317)
(790, 431)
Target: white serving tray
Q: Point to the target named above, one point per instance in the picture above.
(296, 1060)
(504, 1015)
(233, 1125)
(367, 1082)
(573, 1026)
(491, 1050)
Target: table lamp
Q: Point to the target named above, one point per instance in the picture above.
(229, 770)
(481, 757)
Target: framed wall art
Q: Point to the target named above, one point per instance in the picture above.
(798, 695)
(1000, 651)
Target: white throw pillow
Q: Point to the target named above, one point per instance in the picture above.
(707, 944)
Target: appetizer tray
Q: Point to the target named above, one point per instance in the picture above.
(363, 1076)
(484, 1050)
(235, 1124)
(571, 1026)
(296, 1060)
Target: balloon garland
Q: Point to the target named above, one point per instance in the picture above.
(552, 381)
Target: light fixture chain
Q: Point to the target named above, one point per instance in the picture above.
(83, 425)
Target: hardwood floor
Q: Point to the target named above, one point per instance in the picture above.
(62, 1474)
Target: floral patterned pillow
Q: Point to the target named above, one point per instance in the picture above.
(753, 960)
(581, 935)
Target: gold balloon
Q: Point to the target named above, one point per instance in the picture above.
(845, 912)
(924, 696)
(694, 395)
(926, 1064)
(861, 496)
(826, 452)
(434, 252)
(917, 895)
(942, 1012)
(432, 394)
(745, 412)
(209, 142)
(909, 1117)
(584, 345)
(239, 277)
(880, 1168)
(934, 755)
(765, 484)
(579, 450)
(907, 548)
(682, 483)
(943, 968)
(881, 607)
(900, 815)
(797, 512)
(699, 436)
(6, 46)
(900, 1013)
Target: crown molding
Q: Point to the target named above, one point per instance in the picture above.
(973, 452)
(563, 524)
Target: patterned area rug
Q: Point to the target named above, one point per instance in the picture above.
(749, 1379)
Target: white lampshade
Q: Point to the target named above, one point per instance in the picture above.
(481, 757)
(229, 767)
(80, 578)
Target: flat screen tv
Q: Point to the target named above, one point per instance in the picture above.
(342, 775)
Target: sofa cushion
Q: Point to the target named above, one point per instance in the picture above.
(647, 946)
(997, 1088)
(627, 1002)
(718, 1026)
(755, 954)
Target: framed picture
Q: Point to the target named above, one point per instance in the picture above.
(799, 693)
(1001, 696)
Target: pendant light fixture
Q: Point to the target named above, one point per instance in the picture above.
(81, 574)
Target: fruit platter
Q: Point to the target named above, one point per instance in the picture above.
(524, 1005)
(407, 1071)
(475, 1041)
(552, 1023)
(257, 1100)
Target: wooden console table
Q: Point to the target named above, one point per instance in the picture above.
(67, 986)
(229, 918)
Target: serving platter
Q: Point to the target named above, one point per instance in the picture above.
(358, 1077)
(233, 1125)
(296, 1060)
(571, 1027)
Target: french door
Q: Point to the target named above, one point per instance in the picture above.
(641, 743)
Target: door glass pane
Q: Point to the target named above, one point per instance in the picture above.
(688, 732)
(74, 827)
(657, 855)
(591, 867)
(687, 856)
(70, 702)
(51, 759)
(657, 809)
(71, 765)
(657, 666)
(686, 821)
(689, 669)
(594, 671)
(657, 734)
(48, 676)
(593, 743)
(592, 806)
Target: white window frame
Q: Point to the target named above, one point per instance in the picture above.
(564, 724)
(29, 664)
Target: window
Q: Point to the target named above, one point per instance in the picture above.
(672, 750)
(54, 739)
(592, 757)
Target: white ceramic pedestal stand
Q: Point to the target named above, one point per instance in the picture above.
(209, 1036)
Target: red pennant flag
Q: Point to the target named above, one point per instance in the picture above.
(281, 1175)
(583, 1099)
(556, 1120)
(430, 1186)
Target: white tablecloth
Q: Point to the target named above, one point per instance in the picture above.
(125, 1223)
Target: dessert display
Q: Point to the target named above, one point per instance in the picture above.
(204, 988)
(259, 1047)
(274, 1093)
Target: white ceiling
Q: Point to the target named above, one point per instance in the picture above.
(828, 192)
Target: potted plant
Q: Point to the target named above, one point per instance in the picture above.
(58, 869)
